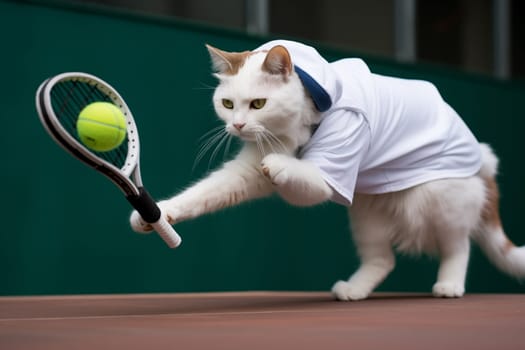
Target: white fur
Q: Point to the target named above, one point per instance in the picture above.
(287, 115)
(431, 218)
(436, 218)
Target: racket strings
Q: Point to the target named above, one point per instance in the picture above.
(91, 90)
(68, 98)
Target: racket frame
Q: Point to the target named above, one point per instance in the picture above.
(128, 177)
(131, 168)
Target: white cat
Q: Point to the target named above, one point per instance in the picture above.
(411, 173)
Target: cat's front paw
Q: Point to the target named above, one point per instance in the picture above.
(346, 291)
(138, 224)
(273, 166)
(168, 211)
(448, 290)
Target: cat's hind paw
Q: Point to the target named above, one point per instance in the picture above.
(448, 290)
(345, 291)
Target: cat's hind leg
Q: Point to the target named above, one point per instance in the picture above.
(454, 218)
(454, 248)
(377, 261)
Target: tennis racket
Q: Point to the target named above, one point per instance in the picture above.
(59, 101)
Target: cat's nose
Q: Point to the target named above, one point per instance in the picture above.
(239, 126)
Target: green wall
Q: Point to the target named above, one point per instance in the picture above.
(64, 228)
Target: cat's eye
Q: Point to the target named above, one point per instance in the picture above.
(227, 103)
(258, 103)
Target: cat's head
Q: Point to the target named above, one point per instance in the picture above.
(260, 97)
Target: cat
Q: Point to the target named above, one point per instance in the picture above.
(406, 189)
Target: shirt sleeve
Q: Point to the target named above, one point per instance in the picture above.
(337, 148)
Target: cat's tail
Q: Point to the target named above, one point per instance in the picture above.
(490, 236)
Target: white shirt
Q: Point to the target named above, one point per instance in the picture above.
(382, 134)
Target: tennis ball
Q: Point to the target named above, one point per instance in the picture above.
(101, 126)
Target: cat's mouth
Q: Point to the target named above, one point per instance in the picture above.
(247, 136)
(242, 132)
(264, 138)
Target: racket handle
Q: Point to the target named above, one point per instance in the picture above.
(151, 213)
(167, 233)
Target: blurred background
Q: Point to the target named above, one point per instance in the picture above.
(480, 36)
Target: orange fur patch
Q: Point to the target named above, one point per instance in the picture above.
(231, 62)
(236, 60)
(490, 212)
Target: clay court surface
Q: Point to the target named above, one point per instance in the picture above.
(262, 320)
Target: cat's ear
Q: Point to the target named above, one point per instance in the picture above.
(278, 61)
(226, 62)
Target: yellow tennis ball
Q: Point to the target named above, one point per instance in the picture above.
(101, 126)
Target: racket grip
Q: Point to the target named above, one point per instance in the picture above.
(151, 213)
(167, 233)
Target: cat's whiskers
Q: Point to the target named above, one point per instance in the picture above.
(211, 138)
(212, 131)
(267, 139)
(224, 137)
(260, 144)
(278, 141)
(204, 86)
(227, 148)
(265, 136)
(209, 142)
